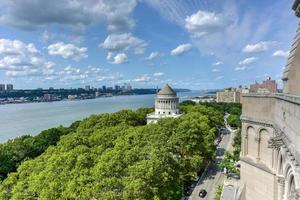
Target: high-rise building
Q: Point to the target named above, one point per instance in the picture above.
(117, 87)
(9, 87)
(87, 87)
(2, 87)
(104, 88)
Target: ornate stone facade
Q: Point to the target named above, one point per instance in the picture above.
(270, 155)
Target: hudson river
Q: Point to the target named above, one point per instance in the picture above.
(32, 118)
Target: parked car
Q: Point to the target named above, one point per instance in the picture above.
(202, 193)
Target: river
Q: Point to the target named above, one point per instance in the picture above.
(32, 118)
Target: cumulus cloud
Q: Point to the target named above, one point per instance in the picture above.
(248, 61)
(153, 55)
(218, 63)
(143, 78)
(90, 74)
(158, 74)
(204, 22)
(215, 70)
(68, 51)
(118, 59)
(281, 53)
(183, 48)
(146, 78)
(20, 59)
(258, 47)
(242, 68)
(28, 14)
(123, 42)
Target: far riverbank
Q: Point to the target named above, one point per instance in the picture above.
(20, 119)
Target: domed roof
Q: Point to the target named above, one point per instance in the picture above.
(166, 90)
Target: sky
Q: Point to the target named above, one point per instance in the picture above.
(194, 44)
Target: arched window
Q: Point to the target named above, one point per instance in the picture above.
(291, 187)
(265, 153)
(280, 165)
(252, 145)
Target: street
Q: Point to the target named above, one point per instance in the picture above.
(213, 177)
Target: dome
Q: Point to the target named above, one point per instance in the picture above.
(166, 90)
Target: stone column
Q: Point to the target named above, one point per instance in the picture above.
(280, 187)
(257, 139)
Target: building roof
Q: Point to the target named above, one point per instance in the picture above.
(166, 90)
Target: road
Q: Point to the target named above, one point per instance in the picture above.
(212, 175)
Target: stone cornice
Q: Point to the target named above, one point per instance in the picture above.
(291, 98)
(250, 120)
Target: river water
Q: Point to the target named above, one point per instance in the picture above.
(32, 118)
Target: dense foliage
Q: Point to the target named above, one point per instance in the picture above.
(115, 156)
(230, 108)
(14, 152)
(218, 192)
(234, 121)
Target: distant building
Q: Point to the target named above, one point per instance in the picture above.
(2, 87)
(204, 99)
(166, 105)
(229, 95)
(72, 97)
(48, 97)
(117, 87)
(104, 88)
(9, 87)
(268, 86)
(87, 87)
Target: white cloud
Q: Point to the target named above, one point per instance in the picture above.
(204, 22)
(248, 61)
(123, 42)
(219, 78)
(67, 51)
(158, 74)
(215, 70)
(143, 78)
(28, 14)
(147, 78)
(218, 63)
(153, 55)
(258, 47)
(242, 68)
(20, 59)
(119, 59)
(181, 49)
(281, 53)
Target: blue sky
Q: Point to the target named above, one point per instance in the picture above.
(196, 44)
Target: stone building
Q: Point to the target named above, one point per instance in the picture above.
(229, 95)
(166, 105)
(270, 155)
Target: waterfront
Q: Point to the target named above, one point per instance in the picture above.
(21, 119)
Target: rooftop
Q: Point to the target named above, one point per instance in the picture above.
(166, 90)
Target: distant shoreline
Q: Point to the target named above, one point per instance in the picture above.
(80, 99)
